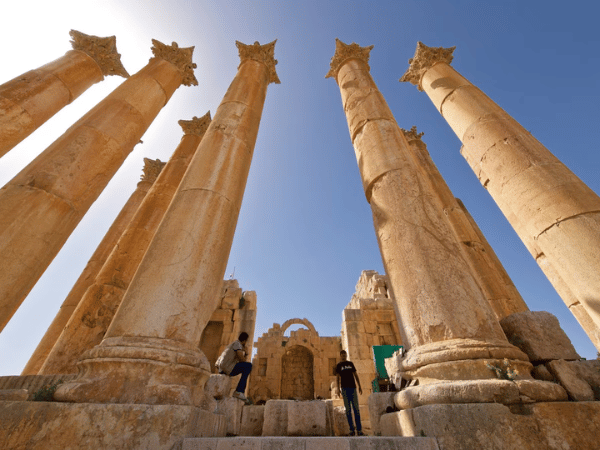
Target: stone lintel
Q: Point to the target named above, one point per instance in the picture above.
(412, 134)
(261, 53)
(344, 52)
(197, 126)
(101, 50)
(152, 169)
(425, 57)
(179, 57)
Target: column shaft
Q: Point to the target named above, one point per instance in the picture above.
(29, 100)
(493, 279)
(156, 331)
(86, 278)
(94, 313)
(555, 209)
(43, 204)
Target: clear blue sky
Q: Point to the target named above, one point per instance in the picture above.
(305, 231)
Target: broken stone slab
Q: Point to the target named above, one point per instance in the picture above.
(539, 335)
(252, 420)
(589, 370)
(340, 423)
(231, 408)
(217, 386)
(568, 376)
(307, 418)
(380, 403)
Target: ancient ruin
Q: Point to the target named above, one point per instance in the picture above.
(130, 359)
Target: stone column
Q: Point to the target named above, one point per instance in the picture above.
(41, 206)
(448, 325)
(555, 209)
(151, 171)
(150, 352)
(493, 279)
(27, 101)
(88, 324)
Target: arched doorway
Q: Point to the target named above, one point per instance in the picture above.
(297, 378)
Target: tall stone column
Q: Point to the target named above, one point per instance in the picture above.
(43, 204)
(448, 325)
(27, 101)
(150, 352)
(555, 209)
(150, 173)
(88, 324)
(493, 279)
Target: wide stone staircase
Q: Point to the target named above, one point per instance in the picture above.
(311, 443)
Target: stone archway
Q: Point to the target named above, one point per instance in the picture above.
(297, 377)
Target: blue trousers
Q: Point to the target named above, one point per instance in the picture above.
(244, 368)
(351, 400)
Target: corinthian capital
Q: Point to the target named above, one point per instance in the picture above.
(263, 54)
(344, 52)
(425, 57)
(179, 57)
(152, 168)
(101, 50)
(196, 126)
(412, 134)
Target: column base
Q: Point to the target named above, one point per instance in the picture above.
(480, 391)
(138, 370)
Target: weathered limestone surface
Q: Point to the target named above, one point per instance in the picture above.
(27, 101)
(581, 379)
(307, 418)
(554, 208)
(253, 417)
(14, 395)
(155, 333)
(275, 418)
(300, 366)
(42, 205)
(553, 426)
(539, 335)
(90, 271)
(94, 313)
(379, 403)
(231, 408)
(445, 319)
(60, 426)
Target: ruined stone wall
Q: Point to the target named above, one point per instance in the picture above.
(236, 313)
(294, 367)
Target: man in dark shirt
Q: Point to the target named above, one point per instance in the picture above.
(346, 375)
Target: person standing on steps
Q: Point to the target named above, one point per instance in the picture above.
(232, 362)
(348, 379)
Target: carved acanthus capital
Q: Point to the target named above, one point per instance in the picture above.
(152, 168)
(179, 57)
(101, 50)
(196, 126)
(344, 52)
(412, 134)
(263, 54)
(425, 57)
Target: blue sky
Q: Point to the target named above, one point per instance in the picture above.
(305, 231)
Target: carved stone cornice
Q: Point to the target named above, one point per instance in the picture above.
(344, 52)
(101, 50)
(196, 126)
(263, 54)
(425, 57)
(152, 168)
(412, 134)
(179, 57)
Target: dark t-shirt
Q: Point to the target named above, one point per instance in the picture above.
(345, 369)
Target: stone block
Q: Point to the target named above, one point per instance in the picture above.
(351, 314)
(70, 426)
(389, 424)
(221, 315)
(275, 418)
(308, 418)
(230, 303)
(590, 372)
(14, 395)
(252, 420)
(250, 300)
(370, 326)
(231, 408)
(368, 303)
(539, 335)
(340, 423)
(541, 372)
(217, 386)
(567, 375)
(379, 404)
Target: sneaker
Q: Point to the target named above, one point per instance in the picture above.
(360, 433)
(240, 395)
(352, 433)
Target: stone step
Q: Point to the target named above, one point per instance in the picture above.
(311, 443)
